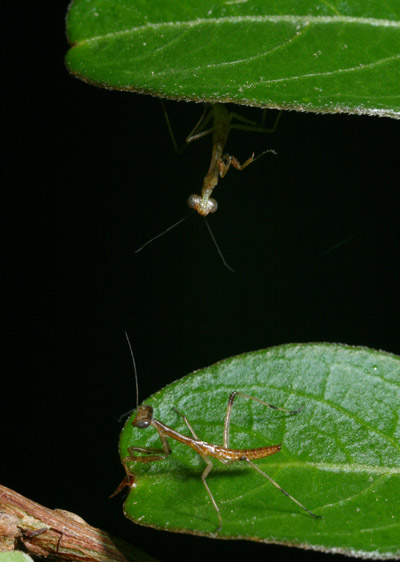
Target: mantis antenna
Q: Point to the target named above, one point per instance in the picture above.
(177, 223)
(134, 369)
(221, 255)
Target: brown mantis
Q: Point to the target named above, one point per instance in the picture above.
(144, 418)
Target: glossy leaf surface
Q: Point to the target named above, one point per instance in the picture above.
(338, 56)
(340, 456)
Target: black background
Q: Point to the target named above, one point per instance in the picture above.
(90, 175)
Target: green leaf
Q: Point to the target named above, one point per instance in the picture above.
(15, 556)
(306, 55)
(340, 456)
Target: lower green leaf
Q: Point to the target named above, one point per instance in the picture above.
(340, 455)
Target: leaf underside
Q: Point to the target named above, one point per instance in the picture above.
(304, 55)
(340, 456)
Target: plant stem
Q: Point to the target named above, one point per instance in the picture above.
(58, 534)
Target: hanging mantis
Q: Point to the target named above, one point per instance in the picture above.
(223, 122)
(144, 419)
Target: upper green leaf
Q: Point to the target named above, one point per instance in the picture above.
(340, 456)
(337, 56)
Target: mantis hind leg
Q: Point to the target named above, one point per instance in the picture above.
(196, 133)
(282, 490)
(249, 125)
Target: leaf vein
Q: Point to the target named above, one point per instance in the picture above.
(275, 19)
(360, 67)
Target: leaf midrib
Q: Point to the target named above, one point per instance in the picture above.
(327, 467)
(294, 20)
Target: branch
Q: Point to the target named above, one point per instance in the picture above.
(58, 534)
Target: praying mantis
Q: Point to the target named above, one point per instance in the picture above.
(222, 123)
(144, 419)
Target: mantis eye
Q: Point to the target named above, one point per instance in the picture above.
(193, 201)
(141, 424)
(212, 205)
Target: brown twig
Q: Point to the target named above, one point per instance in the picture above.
(58, 534)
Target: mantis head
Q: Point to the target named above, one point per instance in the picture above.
(203, 205)
(143, 417)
